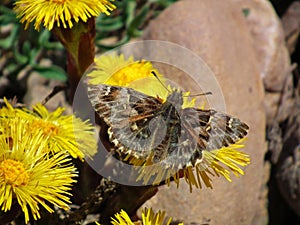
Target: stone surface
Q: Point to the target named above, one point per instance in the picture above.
(269, 43)
(288, 166)
(271, 51)
(218, 32)
(291, 25)
(270, 47)
(278, 105)
(272, 100)
(38, 88)
(288, 177)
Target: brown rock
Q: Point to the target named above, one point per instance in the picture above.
(291, 25)
(288, 167)
(269, 43)
(279, 104)
(272, 100)
(217, 32)
(38, 88)
(287, 100)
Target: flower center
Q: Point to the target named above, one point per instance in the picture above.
(132, 72)
(48, 128)
(13, 173)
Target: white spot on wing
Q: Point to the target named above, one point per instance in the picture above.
(107, 91)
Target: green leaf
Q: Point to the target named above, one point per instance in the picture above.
(11, 68)
(133, 28)
(163, 3)
(44, 38)
(26, 48)
(53, 72)
(20, 58)
(130, 11)
(110, 27)
(123, 41)
(33, 56)
(102, 21)
(7, 16)
(8, 42)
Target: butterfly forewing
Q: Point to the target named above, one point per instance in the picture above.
(134, 126)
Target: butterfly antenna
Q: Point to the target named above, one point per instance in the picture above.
(155, 75)
(205, 93)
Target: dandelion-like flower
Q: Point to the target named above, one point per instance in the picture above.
(63, 132)
(148, 218)
(115, 70)
(28, 175)
(118, 71)
(58, 13)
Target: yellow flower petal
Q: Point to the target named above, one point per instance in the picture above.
(115, 70)
(148, 218)
(121, 218)
(62, 132)
(219, 162)
(28, 174)
(58, 13)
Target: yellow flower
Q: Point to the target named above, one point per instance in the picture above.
(59, 12)
(28, 175)
(115, 70)
(213, 163)
(106, 66)
(122, 218)
(151, 218)
(8, 111)
(148, 218)
(64, 132)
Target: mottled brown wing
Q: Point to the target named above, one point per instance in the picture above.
(219, 129)
(131, 116)
(212, 129)
(124, 104)
(200, 130)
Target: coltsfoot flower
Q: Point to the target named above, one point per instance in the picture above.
(59, 13)
(148, 218)
(28, 174)
(63, 132)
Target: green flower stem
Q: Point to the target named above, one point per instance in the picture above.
(79, 43)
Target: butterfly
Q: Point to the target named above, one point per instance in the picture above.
(147, 127)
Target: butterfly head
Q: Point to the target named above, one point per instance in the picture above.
(175, 98)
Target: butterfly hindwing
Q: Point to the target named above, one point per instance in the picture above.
(212, 128)
(199, 130)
